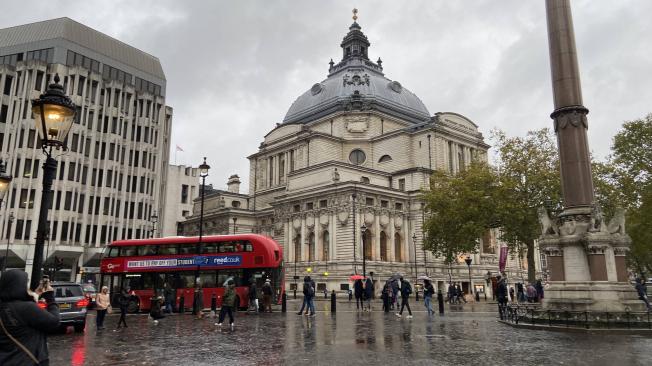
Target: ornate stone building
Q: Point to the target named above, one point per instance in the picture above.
(355, 150)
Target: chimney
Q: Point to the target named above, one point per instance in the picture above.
(233, 184)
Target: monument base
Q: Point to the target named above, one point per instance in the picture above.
(592, 296)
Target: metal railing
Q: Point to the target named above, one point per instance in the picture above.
(531, 315)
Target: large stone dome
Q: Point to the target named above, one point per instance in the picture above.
(356, 83)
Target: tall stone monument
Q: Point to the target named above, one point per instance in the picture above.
(586, 255)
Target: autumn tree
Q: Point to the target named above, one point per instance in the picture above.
(528, 178)
(460, 208)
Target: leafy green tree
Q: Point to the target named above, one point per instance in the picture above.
(528, 178)
(631, 162)
(460, 209)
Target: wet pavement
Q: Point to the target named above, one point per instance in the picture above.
(468, 336)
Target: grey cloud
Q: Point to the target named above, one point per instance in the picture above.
(234, 67)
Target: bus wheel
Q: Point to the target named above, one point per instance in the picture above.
(133, 306)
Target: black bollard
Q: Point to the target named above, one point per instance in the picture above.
(284, 302)
(417, 296)
(477, 296)
(333, 302)
(295, 293)
(182, 303)
(213, 303)
(440, 301)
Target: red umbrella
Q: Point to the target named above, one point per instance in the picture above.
(356, 277)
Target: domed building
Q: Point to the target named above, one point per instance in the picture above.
(340, 179)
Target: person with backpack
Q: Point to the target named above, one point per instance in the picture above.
(428, 291)
(358, 291)
(253, 298)
(406, 290)
(308, 295)
(368, 293)
(23, 325)
(228, 303)
(267, 296)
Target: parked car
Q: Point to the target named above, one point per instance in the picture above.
(72, 304)
(90, 291)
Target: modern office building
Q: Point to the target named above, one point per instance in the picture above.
(109, 180)
(181, 188)
(340, 179)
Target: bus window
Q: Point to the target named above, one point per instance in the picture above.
(168, 249)
(207, 278)
(248, 247)
(113, 252)
(227, 247)
(187, 249)
(134, 281)
(185, 280)
(147, 250)
(236, 274)
(129, 252)
(209, 248)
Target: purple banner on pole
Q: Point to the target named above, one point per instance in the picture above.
(502, 260)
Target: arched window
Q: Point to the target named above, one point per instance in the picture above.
(385, 158)
(398, 248)
(297, 248)
(311, 247)
(383, 246)
(325, 242)
(367, 244)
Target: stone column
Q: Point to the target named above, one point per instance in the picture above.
(376, 244)
(391, 242)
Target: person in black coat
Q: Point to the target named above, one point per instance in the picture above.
(641, 289)
(501, 294)
(358, 292)
(406, 290)
(21, 318)
(368, 293)
(123, 300)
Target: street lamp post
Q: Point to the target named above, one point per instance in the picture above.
(54, 114)
(414, 244)
(10, 219)
(5, 179)
(468, 261)
(203, 173)
(363, 230)
(153, 219)
(355, 261)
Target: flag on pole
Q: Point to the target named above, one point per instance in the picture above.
(179, 148)
(502, 261)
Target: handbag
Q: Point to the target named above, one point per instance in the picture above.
(109, 309)
(20, 345)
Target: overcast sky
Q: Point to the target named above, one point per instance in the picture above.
(234, 68)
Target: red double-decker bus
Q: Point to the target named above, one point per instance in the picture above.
(147, 265)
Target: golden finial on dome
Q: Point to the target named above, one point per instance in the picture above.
(355, 14)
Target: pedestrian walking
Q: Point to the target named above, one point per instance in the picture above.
(169, 298)
(228, 303)
(368, 293)
(531, 293)
(406, 290)
(253, 298)
(511, 293)
(308, 295)
(452, 294)
(358, 289)
(428, 291)
(386, 296)
(520, 292)
(198, 301)
(123, 300)
(350, 294)
(641, 288)
(23, 325)
(501, 294)
(539, 288)
(103, 306)
(395, 294)
(267, 296)
(155, 311)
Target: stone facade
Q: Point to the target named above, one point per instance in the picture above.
(108, 182)
(182, 187)
(355, 150)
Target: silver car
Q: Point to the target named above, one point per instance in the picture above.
(72, 304)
